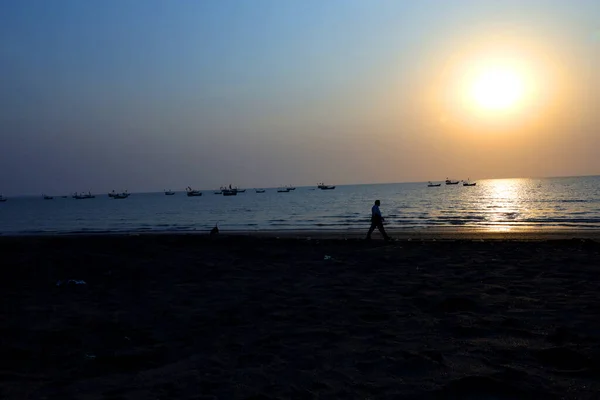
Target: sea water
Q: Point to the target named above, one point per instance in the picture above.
(493, 204)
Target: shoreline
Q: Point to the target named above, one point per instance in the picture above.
(450, 233)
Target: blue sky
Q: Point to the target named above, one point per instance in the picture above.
(146, 95)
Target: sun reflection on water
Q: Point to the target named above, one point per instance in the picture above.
(504, 201)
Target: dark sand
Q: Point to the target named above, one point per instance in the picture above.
(190, 317)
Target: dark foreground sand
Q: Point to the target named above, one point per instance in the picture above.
(189, 317)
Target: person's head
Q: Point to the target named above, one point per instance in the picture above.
(377, 203)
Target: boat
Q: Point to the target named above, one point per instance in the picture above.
(122, 195)
(451, 182)
(259, 190)
(283, 190)
(227, 191)
(323, 186)
(2, 199)
(431, 184)
(169, 193)
(468, 183)
(115, 195)
(47, 197)
(236, 189)
(192, 193)
(83, 196)
(290, 187)
(231, 190)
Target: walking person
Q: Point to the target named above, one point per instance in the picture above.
(377, 221)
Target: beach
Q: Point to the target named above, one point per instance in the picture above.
(301, 315)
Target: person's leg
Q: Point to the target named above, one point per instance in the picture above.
(382, 230)
(371, 229)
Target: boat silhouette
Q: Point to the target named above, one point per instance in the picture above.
(83, 196)
(323, 186)
(192, 193)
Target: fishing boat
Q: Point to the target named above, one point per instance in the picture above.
(83, 196)
(451, 182)
(192, 193)
(469, 183)
(431, 184)
(115, 195)
(259, 190)
(231, 189)
(227, 191)
(283, 190)
(169, 193)
(323, 186)
(47, 197)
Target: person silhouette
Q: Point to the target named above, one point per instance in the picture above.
(377, 221)
(215, 231)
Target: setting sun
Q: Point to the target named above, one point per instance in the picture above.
(497, 89)
(498, 84)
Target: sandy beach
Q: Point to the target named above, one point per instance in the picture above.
(300, 316)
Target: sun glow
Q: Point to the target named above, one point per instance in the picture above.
(498, 89)
(502, 86)
(497, 85)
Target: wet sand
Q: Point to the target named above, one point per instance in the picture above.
(255, 317)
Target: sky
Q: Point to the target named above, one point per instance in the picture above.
(147, 95)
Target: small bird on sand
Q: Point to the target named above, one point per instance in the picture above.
(215, 230)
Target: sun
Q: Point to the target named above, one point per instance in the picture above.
(496, 83)
(497, 89)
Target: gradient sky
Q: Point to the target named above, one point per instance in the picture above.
(148, 95)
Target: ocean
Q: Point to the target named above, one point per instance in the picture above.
(493, 204)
